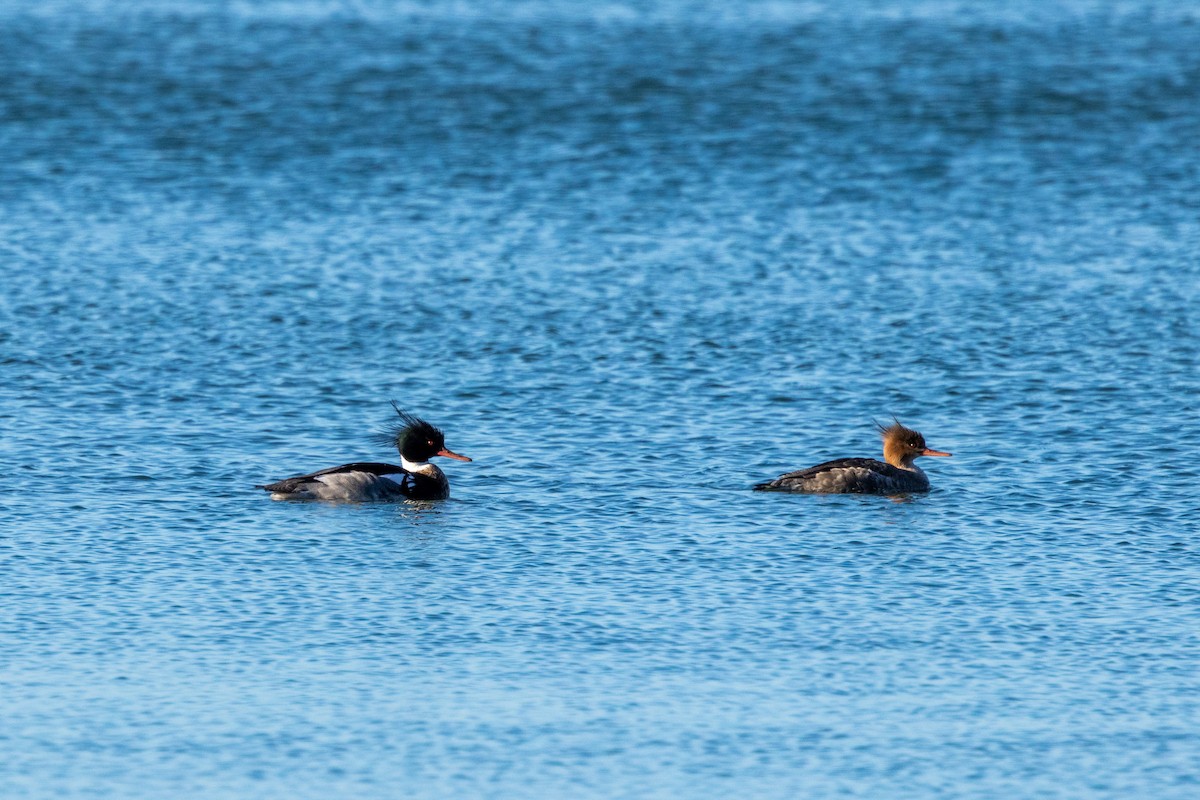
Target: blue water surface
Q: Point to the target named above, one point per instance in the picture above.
(632, 257)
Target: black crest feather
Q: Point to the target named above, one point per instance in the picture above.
(409, 425)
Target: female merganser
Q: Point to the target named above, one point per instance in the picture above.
(899, 475)
(414, 479)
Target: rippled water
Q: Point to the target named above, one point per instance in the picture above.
(633, 258)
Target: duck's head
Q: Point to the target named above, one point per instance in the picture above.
(417, 440)
(901, 445)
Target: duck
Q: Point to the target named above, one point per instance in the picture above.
(896, 474)
(414, 478)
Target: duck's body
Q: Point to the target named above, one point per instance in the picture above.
(851, 476)
(364, 481)
(413, 479)
(896, 475)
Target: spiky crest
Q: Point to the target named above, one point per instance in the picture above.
(410, 428)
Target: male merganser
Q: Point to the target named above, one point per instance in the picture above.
(414, 479)
(899, 475)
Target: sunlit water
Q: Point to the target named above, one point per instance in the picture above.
(632, 258)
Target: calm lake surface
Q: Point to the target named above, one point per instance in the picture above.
(632, 258)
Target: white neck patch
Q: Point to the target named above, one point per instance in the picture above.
(418, 467)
